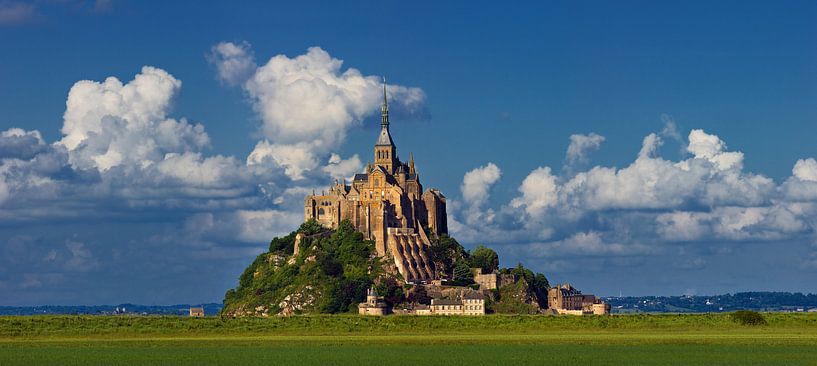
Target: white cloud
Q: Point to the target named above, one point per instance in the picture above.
(307, 103)
(615, 210)
(539, 192)
(296, 158)
(710, 147)
(477, 183)
(339, 168)
(581, 145)
(649, 146)
(110, 124)
(235, 63)
(805, 170)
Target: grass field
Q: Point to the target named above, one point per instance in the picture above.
(699, 339)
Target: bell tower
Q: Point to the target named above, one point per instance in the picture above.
(385, 153)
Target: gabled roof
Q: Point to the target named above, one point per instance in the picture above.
(447, 302)
(473, 296)
(380, 169)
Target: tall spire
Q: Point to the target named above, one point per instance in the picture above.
(385, 137)
(384, 109)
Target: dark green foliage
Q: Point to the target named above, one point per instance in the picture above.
(310, 227)
(334, 268)
(462, 275)
(284, 244)
(418, 295)
(391, 291)
(748, 317)
(513, 299)
(537, 283)
(484, 258)
(445, 251)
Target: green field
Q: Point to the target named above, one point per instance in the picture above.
(689, 339)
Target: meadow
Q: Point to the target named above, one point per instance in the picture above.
(667, 339)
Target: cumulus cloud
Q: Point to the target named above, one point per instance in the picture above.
(110, 124)
(710, 147)
(339, 168)
(307, 103)
(581, 145)
(235, 63)
(477, 183)
(805, 170)
(137, 185)
(539, 192)
(614, 211)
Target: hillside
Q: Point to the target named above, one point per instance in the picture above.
(317, 270)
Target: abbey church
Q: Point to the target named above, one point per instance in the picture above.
(387, 204)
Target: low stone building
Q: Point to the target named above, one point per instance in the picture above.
(197, 312)
(374, 305)
(566, 299)
(491, 281)
(472, 303)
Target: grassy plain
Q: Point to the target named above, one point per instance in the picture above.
(711, 339)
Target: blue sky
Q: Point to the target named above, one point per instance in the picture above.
(646, 147)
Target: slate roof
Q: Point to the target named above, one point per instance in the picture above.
(385, 137)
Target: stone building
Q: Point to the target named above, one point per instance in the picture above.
(491, 281)
(374, 305)
(566, 299)
(388, 205)
(472, 303)
(197, 312)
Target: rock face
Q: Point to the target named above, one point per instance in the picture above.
(516, 298)
(297, 302)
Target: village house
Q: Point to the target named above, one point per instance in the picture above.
(197, 312)
(566, 299)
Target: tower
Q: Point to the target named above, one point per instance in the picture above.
(385, 153)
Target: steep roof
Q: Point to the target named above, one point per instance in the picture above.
(385, 137)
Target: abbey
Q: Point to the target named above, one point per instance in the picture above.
(387, 204)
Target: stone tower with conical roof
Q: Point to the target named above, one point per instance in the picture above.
(385, 153)
(387, 204)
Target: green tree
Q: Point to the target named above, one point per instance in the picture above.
(462, 275)
(445, 251)
(484, 258)
(310, 227)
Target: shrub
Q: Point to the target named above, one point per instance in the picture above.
(747, 317)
